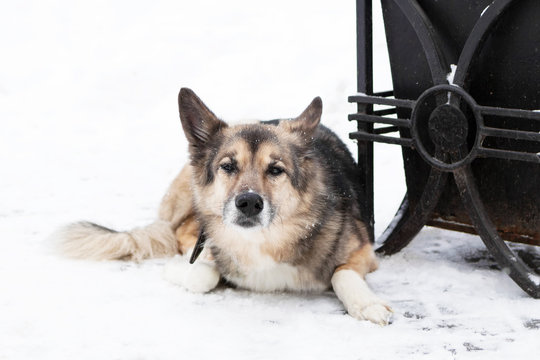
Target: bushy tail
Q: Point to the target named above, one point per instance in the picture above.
(85, 240)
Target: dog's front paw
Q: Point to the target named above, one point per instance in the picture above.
(360, 302)
(201, 278)
(377, 312)
(198, 278)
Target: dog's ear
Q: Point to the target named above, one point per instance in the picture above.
(308, 121)
(199, 123)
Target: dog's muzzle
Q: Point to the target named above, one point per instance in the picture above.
(248, 210)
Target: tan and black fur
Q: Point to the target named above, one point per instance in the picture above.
(278, 201)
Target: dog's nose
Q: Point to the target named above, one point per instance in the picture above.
(249, 203)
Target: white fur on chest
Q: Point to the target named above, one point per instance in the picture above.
(255, 270)
(267, 275)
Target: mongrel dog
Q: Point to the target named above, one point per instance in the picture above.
(278, 205)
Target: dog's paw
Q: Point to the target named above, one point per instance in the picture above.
(358, 299)
(201, 278)
(377, 312)
(198, 278)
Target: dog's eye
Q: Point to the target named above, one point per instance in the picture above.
(275, 170)
(229, 168)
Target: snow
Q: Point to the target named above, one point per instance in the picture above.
(485, 9)
(451, 74)
(90, 130)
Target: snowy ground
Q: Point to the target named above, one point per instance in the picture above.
(90, 131)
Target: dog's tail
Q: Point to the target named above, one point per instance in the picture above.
(85, 240)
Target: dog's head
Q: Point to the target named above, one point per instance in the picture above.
(248, 176)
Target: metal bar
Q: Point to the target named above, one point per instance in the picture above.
(511, 134)
(360, 135)
(466, 228)
(387, 93)
(364, 46)
(367, 99)
(383, 112)
(385, 130)
(380, 120)
(509, 155)
(364, 78)
(515, 113)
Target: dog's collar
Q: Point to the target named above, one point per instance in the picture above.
(199, 246)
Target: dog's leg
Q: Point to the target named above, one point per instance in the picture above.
(351, 288)
(200, 277)
(177, 208)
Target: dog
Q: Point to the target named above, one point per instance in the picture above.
(270, 206)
